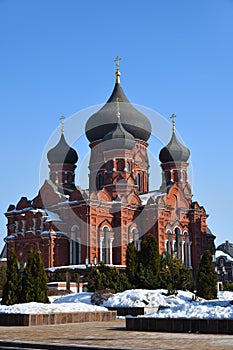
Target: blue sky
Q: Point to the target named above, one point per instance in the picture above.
(57, 58)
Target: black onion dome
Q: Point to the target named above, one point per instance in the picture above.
(62, 153)
(118, 138)
(227, 248)
(103, 121)
(174, 151)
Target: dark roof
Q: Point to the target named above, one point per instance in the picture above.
(174, 151)
(227, 248)
(103, 121)
(62, 153)
(118, 138)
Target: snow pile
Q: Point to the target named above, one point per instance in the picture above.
(180, 305)
(137, 298)
(75, 298)
(79, 303)
(194, 309)
(226, 295)
(39, 308)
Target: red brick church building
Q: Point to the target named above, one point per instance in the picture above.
(70, 225)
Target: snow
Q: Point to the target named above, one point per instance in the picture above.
(70, 303)
(181, 305)
(10, 236)
(136, 297)
(219, 254)
(146, 196)
(52, 216)
(15, 211)
(68, 267)
(84, 297)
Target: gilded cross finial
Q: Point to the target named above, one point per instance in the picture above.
(62, 119)
(118, 109)
(173, 116)
(117, 60)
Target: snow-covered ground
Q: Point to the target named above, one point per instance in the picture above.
(181, 305)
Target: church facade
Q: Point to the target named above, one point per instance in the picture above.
(73, 226)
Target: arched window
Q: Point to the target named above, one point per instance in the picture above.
(138, 181)
(178, 243)
(120, 165)
(176, 176)
(221, 262)
(169, 246)
(69, 178)
(75, 246)
(105, 245)
(110, 165)
(167, 177)
(186, 249)
(99, 181)
(183, 176)
(136, 240)
(54, 177)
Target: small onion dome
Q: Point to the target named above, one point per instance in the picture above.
(226, 248)
(118, 138)
(174, 151)
(103, 121)
(62, 153)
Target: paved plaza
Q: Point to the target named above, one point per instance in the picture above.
(114, 335)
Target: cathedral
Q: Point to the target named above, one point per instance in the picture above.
(72, 226)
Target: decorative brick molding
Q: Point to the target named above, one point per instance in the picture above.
(55, 318)
(182, 325)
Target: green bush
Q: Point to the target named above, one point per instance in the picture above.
(174, 275)
(228, 286)
(131, 264)
(12, 287)
(34, 280)
(3, 276)
(104, 277)
(206, 278)
(148, 264)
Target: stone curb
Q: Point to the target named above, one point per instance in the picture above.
(180, 325)
(55, 318)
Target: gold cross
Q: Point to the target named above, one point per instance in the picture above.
(62, 119)
(173, 116)
(117, 59)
